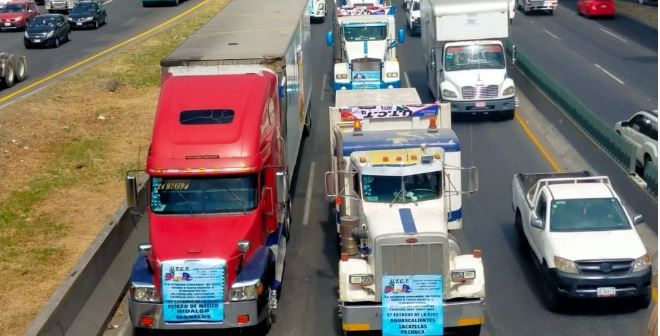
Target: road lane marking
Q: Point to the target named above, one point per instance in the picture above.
(609, 74)
(551, 34)
(101, 53)
(406, 79)
(323, 84)
(308, 194)
(613, 35)
(544, 152)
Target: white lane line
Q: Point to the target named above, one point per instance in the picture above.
(609, 74)
(406, 79)
(613, 35)
(323, 83)
(308, 194)
(551, 34)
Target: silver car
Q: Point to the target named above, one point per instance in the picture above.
(642, 130)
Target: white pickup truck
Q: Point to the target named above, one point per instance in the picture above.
(582, 237)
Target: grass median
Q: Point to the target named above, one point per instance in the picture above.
(63, 153)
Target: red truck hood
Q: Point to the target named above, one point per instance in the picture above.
(196, 237)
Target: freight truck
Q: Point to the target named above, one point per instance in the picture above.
(229, 122)
(395, 178)
(364, 40)
(465, 57)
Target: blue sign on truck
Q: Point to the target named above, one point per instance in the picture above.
(412, 305)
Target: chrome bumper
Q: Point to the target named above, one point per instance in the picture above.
(364, 316)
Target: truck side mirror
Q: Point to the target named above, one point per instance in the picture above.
(131, 190)
(402, 35)
(243, 245)
(473, 180)
(330, 187)
(282, 186)
(329, 39)
(537, 222)
(514, 51)
(639, 219)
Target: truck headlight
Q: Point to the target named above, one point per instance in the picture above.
(565, 265)
(341, 76)
(642, 263)
(144, 293)
(509, 91)
(246, 291)
(448, 93)
(26, 35)
(50, 34)
(463, 275)
(361, 279)
(391, 74)
(90, 18)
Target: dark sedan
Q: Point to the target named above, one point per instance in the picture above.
(47, 30)
(87, 14)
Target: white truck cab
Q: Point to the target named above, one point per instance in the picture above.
(317, 10)
(582, 237)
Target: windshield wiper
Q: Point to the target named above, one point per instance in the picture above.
(396, 196)
(188, 203)
(237, 198)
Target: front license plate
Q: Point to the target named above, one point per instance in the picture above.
(78, 23)
(605, 291)
(480, 104)
(37, 41)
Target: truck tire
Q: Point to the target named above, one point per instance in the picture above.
(20, 70)
(551, 298)
(307, 129)
(9, 79)
(473, 330)
(518, 225)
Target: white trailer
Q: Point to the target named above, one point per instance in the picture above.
(464, 55)
(396, 182)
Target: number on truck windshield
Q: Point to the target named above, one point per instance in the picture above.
(406, 189)
(595, 214)
(203, 195)
(477, 56)
(365, 33)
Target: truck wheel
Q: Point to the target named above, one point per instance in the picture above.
(20, 70)
(473, 330)
(518, 224)
(9, 76)
(264, 327)
(553, 301)
(307, 129)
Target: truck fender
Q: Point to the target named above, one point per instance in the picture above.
(261, 265)
(475, 288)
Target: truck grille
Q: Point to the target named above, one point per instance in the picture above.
(366, 73)
(479, 92)
(366, 64)
(605, 267)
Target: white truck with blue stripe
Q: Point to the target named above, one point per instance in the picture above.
(364, 41)
(396, 180)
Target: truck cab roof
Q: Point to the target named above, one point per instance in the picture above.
(581, 191)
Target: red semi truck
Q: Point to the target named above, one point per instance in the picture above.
(231, 115)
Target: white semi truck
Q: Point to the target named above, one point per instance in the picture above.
(364, 41)
(396, 181)
(465, 56)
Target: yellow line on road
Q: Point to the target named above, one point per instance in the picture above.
(544, 152)
(101, 53)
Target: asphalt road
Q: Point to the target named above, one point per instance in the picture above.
(126, 18)
(609, 64)
(499, 149)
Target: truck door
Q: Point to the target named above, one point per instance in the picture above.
(536, 234)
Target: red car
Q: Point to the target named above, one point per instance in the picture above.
(17, 13)
(591, 8)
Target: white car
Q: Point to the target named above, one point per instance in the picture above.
(413, 17)
(642, 130)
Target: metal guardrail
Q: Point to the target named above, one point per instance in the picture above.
(620, 149)
(85, 300)
(651, 178)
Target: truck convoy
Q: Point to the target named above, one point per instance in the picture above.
(396, 180)
(317, 10)
(464, 55)
(228, 127)
(364, 41)
(581, 237)
(13, 68)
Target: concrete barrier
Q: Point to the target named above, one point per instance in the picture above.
(85, 300)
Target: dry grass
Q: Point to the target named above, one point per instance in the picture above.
(63, 153)
(647, 14)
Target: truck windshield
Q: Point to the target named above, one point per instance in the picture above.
(595, 214)
(476, 56)
(365, 33)
(209, 195)
(402, 189)
(12, 8)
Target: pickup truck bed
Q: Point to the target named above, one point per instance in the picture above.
(527, 181)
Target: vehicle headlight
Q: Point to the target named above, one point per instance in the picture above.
(147, 293)
(463, 275)
(565, 265)
(448, 93)
(89, 18)
(341, 76)
(642, 263)
(361, 279)
(509, 91)
(391, 74)
(50, 33)
(26, 35)
(246, 291)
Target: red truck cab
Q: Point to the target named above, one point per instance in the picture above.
(217, 206)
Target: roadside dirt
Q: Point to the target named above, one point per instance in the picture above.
(647, 14)
(64, 152)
